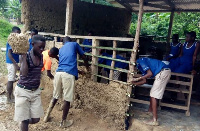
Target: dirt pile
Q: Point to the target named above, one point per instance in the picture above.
(107, 101)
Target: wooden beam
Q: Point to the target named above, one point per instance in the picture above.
(113, 62)
(170, 30)
(78, 57)
(135, 47)
(126, 5)
(68, 22)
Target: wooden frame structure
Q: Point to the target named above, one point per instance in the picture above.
(137, 6)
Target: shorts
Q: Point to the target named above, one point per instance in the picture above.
(64, 84)
(11, 72)
(160, 83)
(27, 104)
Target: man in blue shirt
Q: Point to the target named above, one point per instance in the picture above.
(65, 77)
(88, 42)
(12, 66)
(153, 68)
(33, 32)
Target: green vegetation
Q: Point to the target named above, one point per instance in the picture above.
(157, 24)
(5, 29)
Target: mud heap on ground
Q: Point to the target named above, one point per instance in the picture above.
(107, 101)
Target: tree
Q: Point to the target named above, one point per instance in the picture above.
(3, 5)
(14, 10)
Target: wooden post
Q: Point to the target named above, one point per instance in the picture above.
(95, 43)
(114, 57)
(78, 57)
(55, 40)
(68, 22)
(170, 30)
(93, 1)
(135, 48)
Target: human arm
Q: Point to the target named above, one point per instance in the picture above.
(194, 58)
(86, 64)
(142, 80)
(12, 59)
(24, 65)
(49, 74)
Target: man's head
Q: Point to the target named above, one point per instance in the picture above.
(16, 29)
(38, 43)
(53, 52)
(190, 36)
(67, 39)
(33, 32)
(175, 38)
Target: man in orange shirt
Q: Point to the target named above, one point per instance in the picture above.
(53, 53)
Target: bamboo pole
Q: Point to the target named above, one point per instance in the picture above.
(170, 30)
(78, 57)
(135, 48)
(114, 57)
(95, 53)
(68, 22)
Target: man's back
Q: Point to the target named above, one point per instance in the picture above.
(68, 58)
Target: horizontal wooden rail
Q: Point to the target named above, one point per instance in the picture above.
(125, 83)
(88, 37)
(183, 75)
(109, 58)
(107, 48)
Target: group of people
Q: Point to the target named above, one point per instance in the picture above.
(28, 105)
(181, 59)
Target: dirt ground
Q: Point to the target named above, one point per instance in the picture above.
(86, 120)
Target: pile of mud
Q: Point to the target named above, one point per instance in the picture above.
(107, 101)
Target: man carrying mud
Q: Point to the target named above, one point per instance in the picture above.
(28, 105)
(153, 68)
(65, 76)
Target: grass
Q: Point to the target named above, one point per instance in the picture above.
(5, 29)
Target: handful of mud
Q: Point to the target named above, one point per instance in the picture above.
(18, 42)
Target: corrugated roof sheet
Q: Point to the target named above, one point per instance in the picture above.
(162, 5)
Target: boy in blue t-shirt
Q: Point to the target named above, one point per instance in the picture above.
(153, 68)
(33, 32)
(88, 42)
(65, 77)
(12, 66)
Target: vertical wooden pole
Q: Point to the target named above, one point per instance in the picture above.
(93, 1)
(78, 57)
(95, 43)
(68, 22)
(135, 47)
(114, 57)
(55, 40)
(170, 30)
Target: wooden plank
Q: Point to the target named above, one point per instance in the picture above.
(173, 106)
(180, 90)
(190, 94)
(179, 82)
(88, 37)
(139, 101)
(113, 62)
(183, 75)
(68, 22)
(125, 83)
(170, 30)
(95, 53)
(108, 48)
